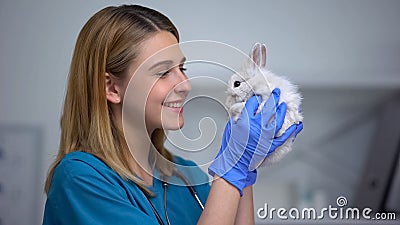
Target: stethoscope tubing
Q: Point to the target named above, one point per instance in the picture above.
(165, 186)
(191, 189)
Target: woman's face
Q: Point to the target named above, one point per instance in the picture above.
(158, 85)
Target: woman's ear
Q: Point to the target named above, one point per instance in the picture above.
(113, 93)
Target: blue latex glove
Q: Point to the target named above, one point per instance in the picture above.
(252, 176)
(280, 116)
(247, 142)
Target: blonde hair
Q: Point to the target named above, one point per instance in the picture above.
(107, 43)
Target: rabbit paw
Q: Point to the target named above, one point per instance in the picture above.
(236, 110)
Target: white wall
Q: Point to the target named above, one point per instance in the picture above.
(344, 55)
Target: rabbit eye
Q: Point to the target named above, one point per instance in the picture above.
(236, 84)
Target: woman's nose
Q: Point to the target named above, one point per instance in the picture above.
(184, 85)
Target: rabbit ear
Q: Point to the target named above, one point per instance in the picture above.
(259, 55)
(263, 56)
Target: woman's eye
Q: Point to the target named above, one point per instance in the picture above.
(163, 74)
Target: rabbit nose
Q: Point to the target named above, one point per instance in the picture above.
(236, 84)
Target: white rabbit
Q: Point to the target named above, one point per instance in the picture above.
(255, 79)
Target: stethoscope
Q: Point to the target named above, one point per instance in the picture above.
(165, 186)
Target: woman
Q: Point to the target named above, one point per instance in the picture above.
(97, 179)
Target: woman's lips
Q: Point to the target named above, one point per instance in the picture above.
(175, 106)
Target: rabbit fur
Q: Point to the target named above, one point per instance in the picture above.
(255, 79)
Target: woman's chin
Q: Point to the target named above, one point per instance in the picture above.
(173, 126)
(172, 122)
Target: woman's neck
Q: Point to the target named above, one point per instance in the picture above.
(139, 144)
(143, 173)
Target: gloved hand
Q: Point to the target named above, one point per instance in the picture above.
(277, 142)
(246, 143)
(241, 140)
(252, 175)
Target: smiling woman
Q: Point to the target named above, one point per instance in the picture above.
(106, 47)
(160, 80)
(126, 86)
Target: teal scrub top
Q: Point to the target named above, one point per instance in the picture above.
(84, 190)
